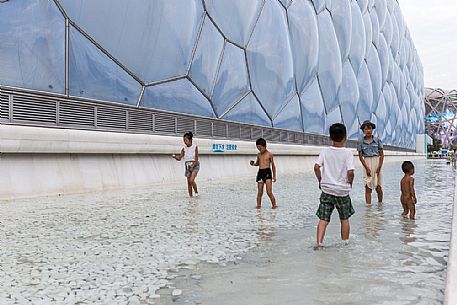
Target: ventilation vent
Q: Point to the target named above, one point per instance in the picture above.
(29, 109)
(185, 125)
(165, 123)
(283, 137)
(140, 121)
(204, 128)
(76, 114)
(233, 131)
(4, 107)
(111, 118)
(275, 135)
(256, 133)
(246, 133)
(219, 130)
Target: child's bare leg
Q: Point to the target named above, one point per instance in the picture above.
(259, 195)
(345, 228)
(270, 193)
(412, 211)
(405, 210)
(367, 195)
(192, 181)
(380, 193)
(321, 227)
(189, 186)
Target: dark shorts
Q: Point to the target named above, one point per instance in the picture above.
(189, 169)
(329, 202)
(263, 175)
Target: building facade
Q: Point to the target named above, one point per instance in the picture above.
(296, 65)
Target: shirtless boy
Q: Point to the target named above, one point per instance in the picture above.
(408, 196)
(265, 174)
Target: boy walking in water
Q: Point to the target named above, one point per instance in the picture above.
(265, 174)
(408, 196)
(335, 172)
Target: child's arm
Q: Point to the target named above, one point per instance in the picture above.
(317, 172)
(256, 163)
(180, 156)
(365, 165)
(381, 160)
(411, 190)
(273, 167)
(196, 153)
(350, 176)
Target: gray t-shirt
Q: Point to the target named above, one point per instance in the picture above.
(370, 149)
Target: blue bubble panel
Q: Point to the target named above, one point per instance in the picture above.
(304, 40)
(206, 58)
(177, 96)
(313, 111)
(152, 38)
(290, 116)
(270, 59)
(232, 80)
(236, 18)
(32, 47)
(248, 110)
(330, 70)
(95, 75)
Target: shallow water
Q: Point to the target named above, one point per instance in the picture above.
(389, 260)
(140, 245)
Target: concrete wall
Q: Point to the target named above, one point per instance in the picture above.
(46, 161)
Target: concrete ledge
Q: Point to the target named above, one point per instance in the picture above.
(451, 280)
(37, 161)
(40, 140)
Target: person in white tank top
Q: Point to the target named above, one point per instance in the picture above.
(192, 165)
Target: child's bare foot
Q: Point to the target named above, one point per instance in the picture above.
(258, 207)
(274, 206)
(404, 215)
(318, 247)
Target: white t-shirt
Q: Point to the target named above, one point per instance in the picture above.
(335, 162)
(189, 152)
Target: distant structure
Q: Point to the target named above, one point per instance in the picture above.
(440, 115)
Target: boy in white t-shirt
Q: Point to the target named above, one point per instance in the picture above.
(335, 172)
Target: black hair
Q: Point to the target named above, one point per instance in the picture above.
(337, 132)
(261, 142)
(407, 166)
(189, 136)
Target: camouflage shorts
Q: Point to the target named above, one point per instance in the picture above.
(329, 202)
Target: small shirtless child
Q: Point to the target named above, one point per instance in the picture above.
(408, 196)
(265, 175)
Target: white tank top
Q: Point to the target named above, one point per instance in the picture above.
(189, 152)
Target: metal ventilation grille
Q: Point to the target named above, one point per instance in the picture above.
(111, 118)
(30, 109)
(185, 125)
(245, 133)
(165, 123)
(219, 130)
(256, 133)
(275, 135)
(234, 131)
(298, 138)
(76, 114)
(204, 128)
(283, 137)
(140, 121)
(4, 107)
(267, 134)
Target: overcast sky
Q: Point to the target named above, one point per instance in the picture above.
(433, 28)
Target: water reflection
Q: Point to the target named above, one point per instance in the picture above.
(266, 228)
(373, 220)
(408, 227)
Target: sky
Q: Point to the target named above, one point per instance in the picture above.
(433, 28)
